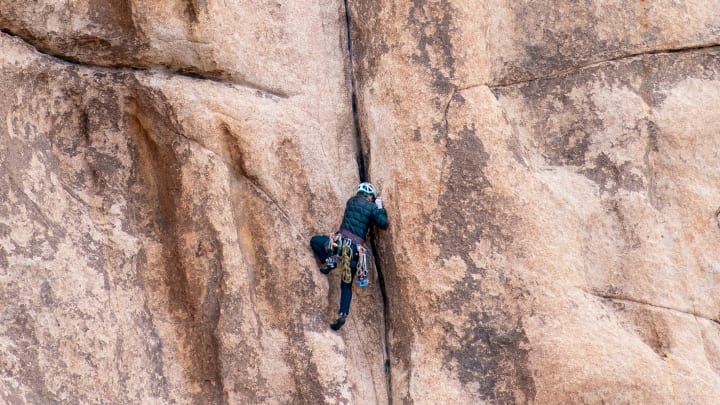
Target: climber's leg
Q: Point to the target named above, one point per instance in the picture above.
(346, 292)
(318, 243)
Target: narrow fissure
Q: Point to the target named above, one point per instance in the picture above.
(615, 297)
(362, 172)
(620, 58)
(187, 72)
(360, 158)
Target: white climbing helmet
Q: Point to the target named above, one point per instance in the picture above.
(367, 189)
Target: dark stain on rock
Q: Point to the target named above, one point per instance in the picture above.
(658, 340)
(440, 128)
(626, 228)
(84, 122)
(554, 43)
(490, 353)
(153, 346)
(653, 131)
(104, 167)
(4, 264)
(565, 139)
(208, 265)
(402, 319)
(160, 171)
(646, 90)
(103, 112)
(417, 137)
(431, 23)
(611, 177)
(191, 11)
(643, 322)
(369, 42)
(610, 290)
(113, 37)
(488, 348)
(44, 229)
(570, 147)
(236, 155)
(672, 68)
(46, 294)
(308, 388)
(114, 16)
(468, 195)
(19, 325)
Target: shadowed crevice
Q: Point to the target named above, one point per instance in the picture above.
(363, 161)
(686, 49)
(193, 295)
(624, 298)
(189, 72)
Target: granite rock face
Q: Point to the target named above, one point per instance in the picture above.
(551, 183)
(552, 172)
(154, 223)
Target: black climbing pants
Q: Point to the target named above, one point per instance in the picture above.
(319, 244)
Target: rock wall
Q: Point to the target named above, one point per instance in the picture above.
(162, 173)
(551, 184)
(554, 197)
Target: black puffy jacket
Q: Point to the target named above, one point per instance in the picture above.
(360, 213)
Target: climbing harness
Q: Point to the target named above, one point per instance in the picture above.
(341, 246)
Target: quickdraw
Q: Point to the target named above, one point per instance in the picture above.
(333, 249)
(362, 267)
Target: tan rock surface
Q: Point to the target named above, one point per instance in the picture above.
(554, 237)
(154, 229)
(258, 43)
(550, 171)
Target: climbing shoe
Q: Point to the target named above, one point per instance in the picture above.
(329, 264)
(338, 322)
(326, 268)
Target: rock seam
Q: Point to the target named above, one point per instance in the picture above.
(266, 92)
(693, 48)
(362, 172)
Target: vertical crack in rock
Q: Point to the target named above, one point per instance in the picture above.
(362, 162)
(353, 96)
(191, 11)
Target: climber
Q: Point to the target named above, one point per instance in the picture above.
(361, 211)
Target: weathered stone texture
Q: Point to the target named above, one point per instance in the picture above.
(555, 197)
(253, 42)
(154, 225)
(550, 170)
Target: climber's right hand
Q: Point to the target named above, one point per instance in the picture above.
(379, 203)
